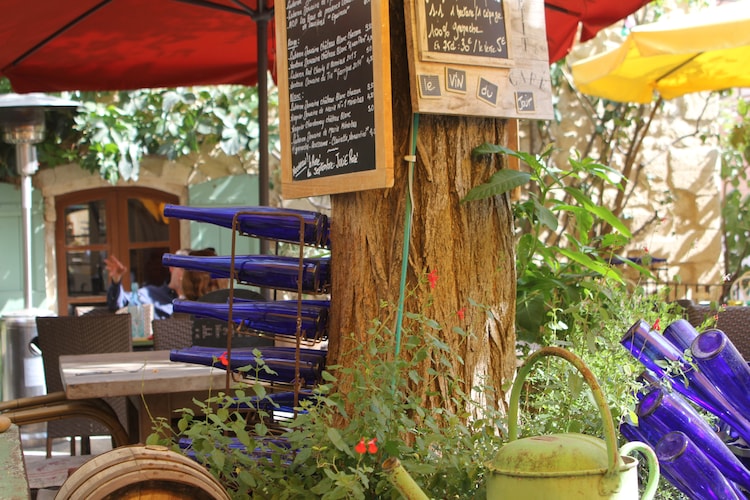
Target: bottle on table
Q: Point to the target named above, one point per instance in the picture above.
(137, 314)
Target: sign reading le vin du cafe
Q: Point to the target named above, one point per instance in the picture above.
(479, 58)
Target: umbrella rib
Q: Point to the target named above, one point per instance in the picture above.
(678, 67)
(243, 10)
(54, 35)
(263, 13)
(560, 9)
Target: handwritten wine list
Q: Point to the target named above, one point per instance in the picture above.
(331, 89)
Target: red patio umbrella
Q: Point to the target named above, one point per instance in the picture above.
(562, 18)
(49, 45)
(53, 45)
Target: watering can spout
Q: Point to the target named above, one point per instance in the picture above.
(401, 479)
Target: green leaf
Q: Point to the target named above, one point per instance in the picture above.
(589, 263)
(501, 182)
(602, 212)
(336, 439)
(546, 217)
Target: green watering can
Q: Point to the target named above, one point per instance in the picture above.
(567, 466)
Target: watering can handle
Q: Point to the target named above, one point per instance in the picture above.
(613, 454)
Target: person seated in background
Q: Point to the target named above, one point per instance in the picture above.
(196, 284)
(160, 296)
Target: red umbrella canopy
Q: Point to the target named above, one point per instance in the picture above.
(53, 45)
(562, 18)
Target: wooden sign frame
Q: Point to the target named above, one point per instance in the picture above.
(318, 160)
(462, 79)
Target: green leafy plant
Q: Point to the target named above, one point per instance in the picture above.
(569, 294)
(566, 241)
(335, 445)
(736, 202)
(558, 399)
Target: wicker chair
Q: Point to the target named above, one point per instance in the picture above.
(732, 320)
(173, 333)
(80, 335)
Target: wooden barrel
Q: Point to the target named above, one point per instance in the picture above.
(141, 472)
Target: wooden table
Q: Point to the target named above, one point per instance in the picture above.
(155, 385)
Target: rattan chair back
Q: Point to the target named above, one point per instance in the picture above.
(173, 333)
(86, 334)
(732, 320)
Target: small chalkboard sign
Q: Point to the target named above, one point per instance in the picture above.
(334, 93)
(464, 31)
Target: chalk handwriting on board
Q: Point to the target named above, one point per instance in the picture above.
(331, 89)
(466, 27)
(455, 80)
(429, 85)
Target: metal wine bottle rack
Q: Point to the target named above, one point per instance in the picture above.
(300, 340)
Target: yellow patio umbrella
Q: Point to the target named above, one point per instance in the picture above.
(704, 50)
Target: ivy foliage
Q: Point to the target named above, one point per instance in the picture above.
(113, 131)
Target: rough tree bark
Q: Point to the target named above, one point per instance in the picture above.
(469, 246)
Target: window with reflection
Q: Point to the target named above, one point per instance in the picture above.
(125, 222)
(85, 223)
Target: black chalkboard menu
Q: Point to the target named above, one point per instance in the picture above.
(462, 30)
(331, 87)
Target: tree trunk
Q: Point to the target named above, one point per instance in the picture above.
(469, 246)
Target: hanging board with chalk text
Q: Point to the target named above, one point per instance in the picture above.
(334, 96)
(479, 58)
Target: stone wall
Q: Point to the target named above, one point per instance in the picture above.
(675, 211)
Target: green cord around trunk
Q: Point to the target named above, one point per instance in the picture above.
(409, 212)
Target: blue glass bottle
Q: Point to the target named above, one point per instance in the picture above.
(681, 334)
(283, 361)
(281, 224)
(664, 412)
(271, 271)
(639, 433)
(277, 317)
(691, 466)
(724, 366)
(652, 350)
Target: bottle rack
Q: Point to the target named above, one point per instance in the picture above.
(300, 341)
(290, 363)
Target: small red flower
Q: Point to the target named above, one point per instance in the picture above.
(370, 447)
(223, 359)
(461, 313)
(656, 325)
(360, 447)
(432, 277)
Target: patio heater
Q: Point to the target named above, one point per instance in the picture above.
(22, 122)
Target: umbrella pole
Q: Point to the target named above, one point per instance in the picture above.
(263, 104)
(263, 178)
